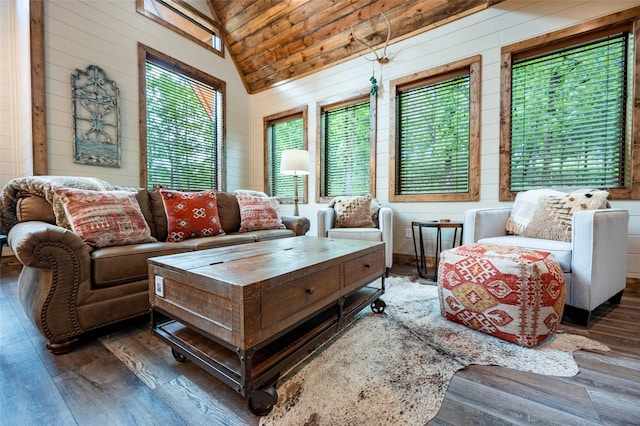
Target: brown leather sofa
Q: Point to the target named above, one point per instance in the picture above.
(67, 290)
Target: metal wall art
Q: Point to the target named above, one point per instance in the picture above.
(96, 118)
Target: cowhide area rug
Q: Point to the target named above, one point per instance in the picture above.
(395, 367)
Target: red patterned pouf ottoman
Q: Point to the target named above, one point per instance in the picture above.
(512, 293)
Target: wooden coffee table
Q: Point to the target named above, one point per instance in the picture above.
(250, 312)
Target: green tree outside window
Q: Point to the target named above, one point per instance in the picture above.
(282, 135)
(184, 119)
(346, 140)
(570, 116)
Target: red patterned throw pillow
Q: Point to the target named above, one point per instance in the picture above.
(191, 214)
(258, 213)
(105, 218)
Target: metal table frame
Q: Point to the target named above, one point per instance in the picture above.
(421, 263)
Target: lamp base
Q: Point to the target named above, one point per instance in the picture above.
(295, 195)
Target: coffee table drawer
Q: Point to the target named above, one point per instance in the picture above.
(286, 299)
(364, 269)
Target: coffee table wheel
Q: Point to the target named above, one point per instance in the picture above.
(261, 401)
(378, 306)
(178, 356)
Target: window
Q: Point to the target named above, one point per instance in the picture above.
(182, 133)
(436, 134)
(347, 148)
(185, 20)
(569, 112)
(287, 130)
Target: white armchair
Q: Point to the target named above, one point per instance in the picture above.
(383, 232)
(594, 262)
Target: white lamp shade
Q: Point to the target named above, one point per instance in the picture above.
(294, 162)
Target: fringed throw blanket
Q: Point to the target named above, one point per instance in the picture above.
(43, 186)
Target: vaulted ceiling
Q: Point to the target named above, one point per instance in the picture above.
(273, 41)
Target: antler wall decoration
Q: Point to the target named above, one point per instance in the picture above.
(383, 59)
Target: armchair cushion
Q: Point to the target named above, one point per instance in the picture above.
(561, 250)
(367, 234)
(354, 211)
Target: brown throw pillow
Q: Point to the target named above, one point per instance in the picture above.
(353, 212)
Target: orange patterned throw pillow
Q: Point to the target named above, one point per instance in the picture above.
(191, 214)
(105, 218)
(258, 213)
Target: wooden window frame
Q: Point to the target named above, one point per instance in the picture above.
(39, 149)
(189, 13)
(329, 104)
(278, 118)
(146, 52)
(565, 38)
(474, 66)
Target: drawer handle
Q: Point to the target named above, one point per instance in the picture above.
(310, 290)
(367, 265)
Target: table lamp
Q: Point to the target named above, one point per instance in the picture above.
(295, 162)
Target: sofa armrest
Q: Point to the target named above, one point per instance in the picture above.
(599, 260)
(326, 220)
(298, 224)
(40, 244)
(485, 223)
(56, 264)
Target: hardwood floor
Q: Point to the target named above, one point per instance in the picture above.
(92, 386)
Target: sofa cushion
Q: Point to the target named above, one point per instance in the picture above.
(219, 241)
(258, 213)
(271, 234)
(117, 265)
(191, 214)
(33, 207)
(229, 212)
(142, 195)
(105, 218)
(561, 250)
(353, 212)
(159, 214)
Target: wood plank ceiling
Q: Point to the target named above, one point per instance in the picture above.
(274, 41)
